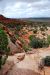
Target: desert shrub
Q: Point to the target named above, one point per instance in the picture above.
(10, 25)
(38, 43)
(42, 28)
(3, 40)
(48, 39)
(43, 33)
(47, 61)
(17, 36)
(19, 27)
(22, 40)
(23, 33)
(3, 45)
(1, 25)
(35, 30)
(31, 37)
(26, 48)
(46, 28)
(0, 61)
(45, 43)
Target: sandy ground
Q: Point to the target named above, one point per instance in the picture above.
(30, 63)
(25, 67)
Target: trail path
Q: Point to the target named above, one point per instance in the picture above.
(26, 67)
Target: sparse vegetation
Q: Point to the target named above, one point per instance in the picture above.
(23, 33)
(35, 30)
(47, 61)
(26, 48)
(38, 43)
(42, 28)
(25, 36)
(31, 37)
(48, 39)
(3, 46)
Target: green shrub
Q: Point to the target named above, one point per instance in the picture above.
(17, 36)
(19, 27)
(0, 61)
(47, 61)
(3, 41)
(1, 25)
(26, 48)
(48, 39)
(31, 37)
(23, 33)
(35, 31)
(3, 45)
(46, 28)
(45, 43)
(22, 40)
(42, 28)
(38, 43)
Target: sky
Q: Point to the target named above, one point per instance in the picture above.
(25, 8)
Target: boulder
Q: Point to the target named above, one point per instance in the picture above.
(20, 56)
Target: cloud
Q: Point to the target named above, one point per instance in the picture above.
(25, 8)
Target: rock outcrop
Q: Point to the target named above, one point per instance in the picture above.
(21, 56)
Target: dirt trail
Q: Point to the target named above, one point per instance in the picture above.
(25, 67)
(29, 66)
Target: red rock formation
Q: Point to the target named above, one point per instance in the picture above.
(11, 20)
(2, 17)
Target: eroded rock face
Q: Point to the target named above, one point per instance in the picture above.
(20, 56)
(14, 48)
(19, 46)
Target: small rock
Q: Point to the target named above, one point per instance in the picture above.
(20, 56)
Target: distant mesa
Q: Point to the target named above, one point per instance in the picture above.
(2, 17)
(9, 20)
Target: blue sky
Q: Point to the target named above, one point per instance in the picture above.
(25, 8)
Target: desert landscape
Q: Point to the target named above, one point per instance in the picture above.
(24, 47)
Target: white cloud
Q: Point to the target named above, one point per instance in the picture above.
(18, 9)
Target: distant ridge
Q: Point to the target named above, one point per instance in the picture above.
(23, 20)
(40, 19)
(9, 20)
